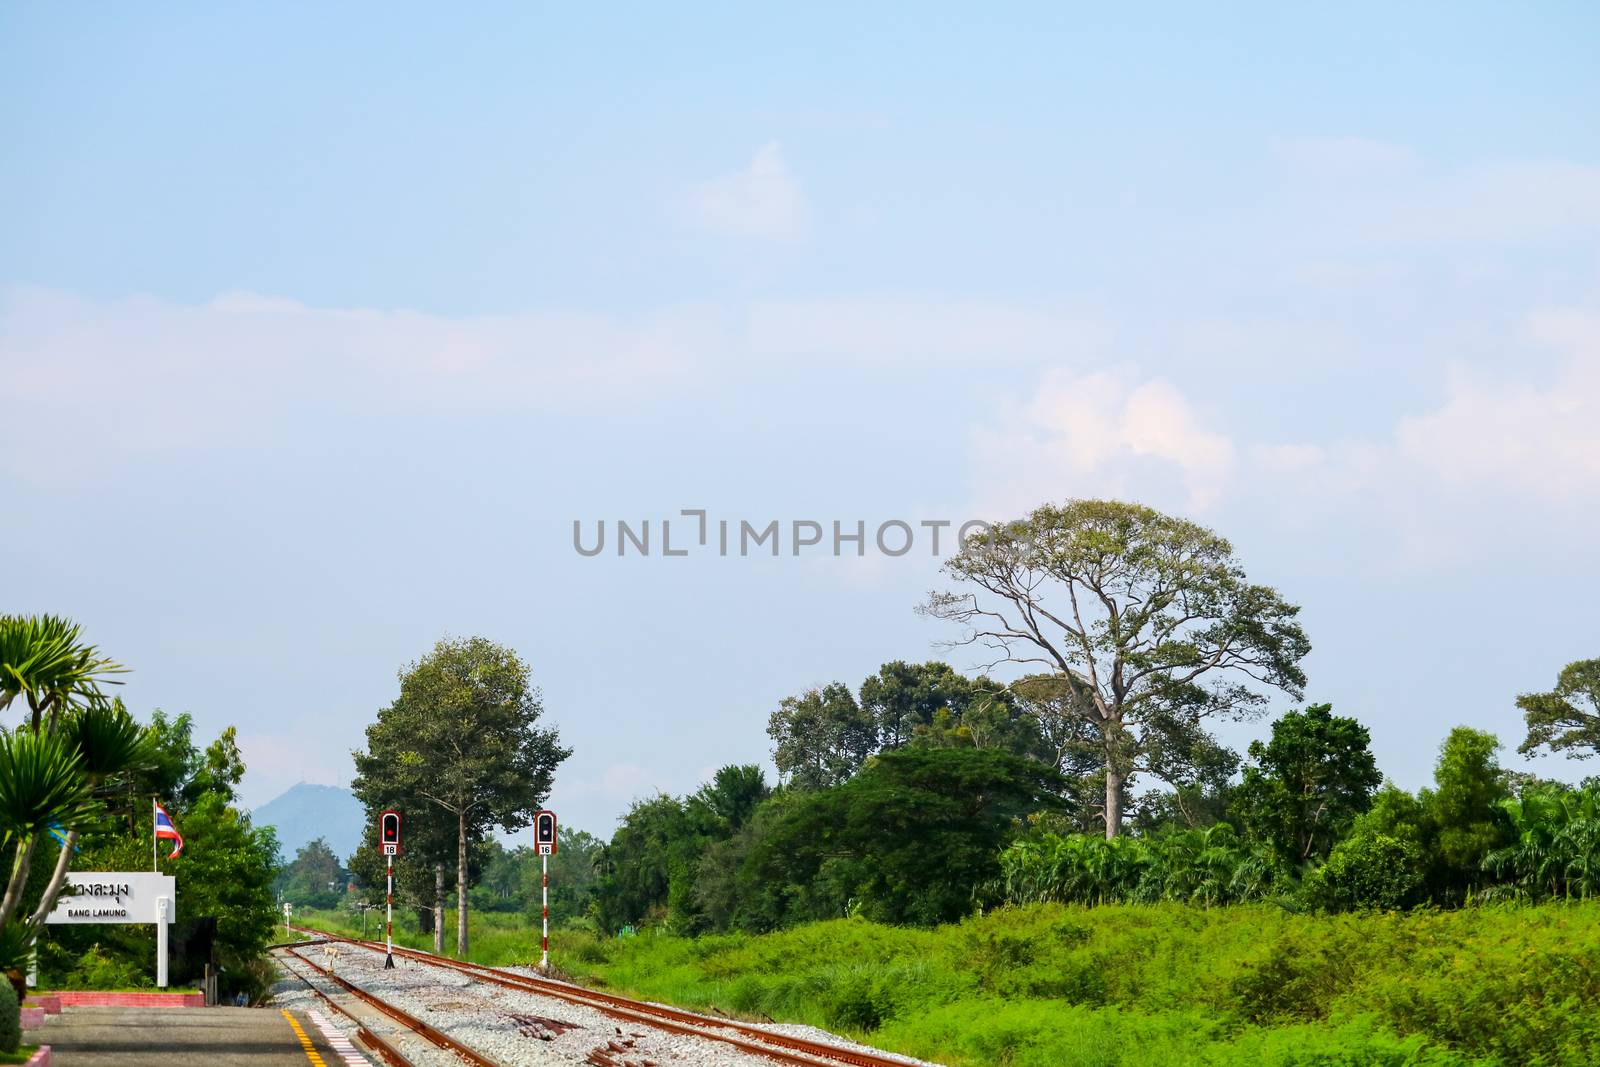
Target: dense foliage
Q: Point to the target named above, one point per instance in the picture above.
(926, 833)
(912, 837)
(226, 872)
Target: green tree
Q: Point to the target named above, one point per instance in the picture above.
(463, 735)
(903, 696)
(1368, 870)
(1566, 719)
(1556, 848)
(914, 837)
(733, 794)
(821, 737)
(1148, 620)
(1464, 812)
(574, 874)
(1308, 784)
(220, 769)
(505, 870)
(649, 866)
(1458, 830)
(314, 877)
(656, 867)
(1067, 740)
(1189, 807)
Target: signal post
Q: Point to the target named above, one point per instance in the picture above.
(389, 838)
(544, 840)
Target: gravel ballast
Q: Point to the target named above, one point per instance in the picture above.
(515, 1027)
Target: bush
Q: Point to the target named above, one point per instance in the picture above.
(96, 968)
(10, 1019)
(1368, 871)
(1297, 980)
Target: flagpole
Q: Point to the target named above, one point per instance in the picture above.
(153, 866)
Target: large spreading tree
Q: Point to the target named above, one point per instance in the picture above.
(1566, 719)
(1148, 621)
(463, 737)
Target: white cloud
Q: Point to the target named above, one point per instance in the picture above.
(1102, 433)
(762, 200)
(141, 375)
(1514, 435)
(1497, 450)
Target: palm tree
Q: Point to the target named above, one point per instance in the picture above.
(44, 660)
(51, 767)
(108, 742)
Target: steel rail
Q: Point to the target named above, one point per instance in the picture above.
(387, 1052)
(781, 1047)
(405, 1018)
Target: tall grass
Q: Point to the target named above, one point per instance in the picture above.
(1062, 986)
(498, 938)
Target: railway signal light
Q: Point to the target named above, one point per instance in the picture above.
(389, 833)
(544, 843)
(389, 840)
(544, 833)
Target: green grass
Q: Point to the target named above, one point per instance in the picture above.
(499, 938)
(1054, 986)
(20, 1056)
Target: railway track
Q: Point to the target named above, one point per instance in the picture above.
(385, 1051)
(757, 1041)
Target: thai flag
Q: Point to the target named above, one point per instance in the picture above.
(166, 831)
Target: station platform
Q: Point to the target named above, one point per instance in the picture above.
(188, 1037)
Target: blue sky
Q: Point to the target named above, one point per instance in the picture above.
(318, 329)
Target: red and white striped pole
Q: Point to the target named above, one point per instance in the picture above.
(544, 961)
(388, 959)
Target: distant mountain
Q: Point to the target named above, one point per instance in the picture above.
(307, 812)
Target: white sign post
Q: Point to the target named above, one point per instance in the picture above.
(91, 897)
(163, 908)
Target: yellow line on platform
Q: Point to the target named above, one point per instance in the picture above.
(305, 1042)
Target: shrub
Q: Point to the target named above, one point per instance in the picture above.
(1298, 979)
(855, 1003)
(1368, 871)
(10, 1019)
(98, 969)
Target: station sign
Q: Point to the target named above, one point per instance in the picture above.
(115, 897)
